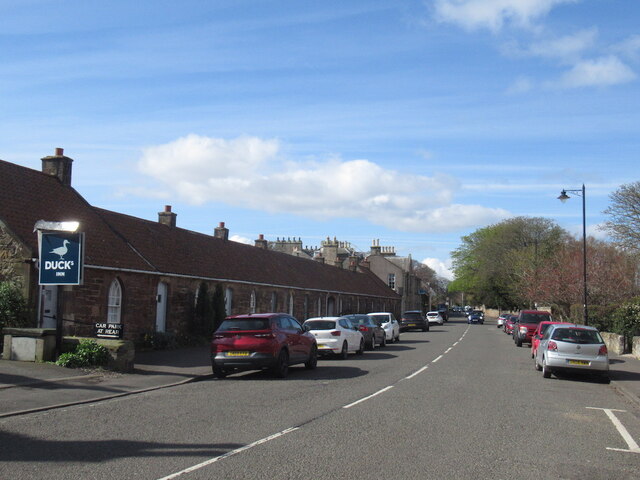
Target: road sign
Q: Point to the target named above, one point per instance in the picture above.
(61, 258)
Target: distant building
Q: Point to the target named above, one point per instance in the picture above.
(146, 275)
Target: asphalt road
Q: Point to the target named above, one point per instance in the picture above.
(459, 402)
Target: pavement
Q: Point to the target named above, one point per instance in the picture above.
(27, 387)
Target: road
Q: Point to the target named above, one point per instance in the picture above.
(458, 402)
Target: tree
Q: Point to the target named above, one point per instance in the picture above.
(624, 211)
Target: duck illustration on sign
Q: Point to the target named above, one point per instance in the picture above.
(61, 251)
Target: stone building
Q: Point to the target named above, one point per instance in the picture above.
(146, 275)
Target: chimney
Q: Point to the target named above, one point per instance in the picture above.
(319, 258)
(58, 165)
(261, 242)
(353, 263)
(375, 247)
(167, 217)
(221, 232)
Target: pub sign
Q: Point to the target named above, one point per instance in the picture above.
(61, 258)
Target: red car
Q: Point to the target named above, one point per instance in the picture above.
(508, 324)
(527, 323)
(271, 341)
(537, 335)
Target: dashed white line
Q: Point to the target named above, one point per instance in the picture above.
(436, 359)
(368, 397)
(229, 454)
(448, 350)
(417, 372)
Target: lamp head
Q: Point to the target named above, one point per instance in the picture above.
(563, 196)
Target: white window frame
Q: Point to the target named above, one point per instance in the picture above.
(114, 302)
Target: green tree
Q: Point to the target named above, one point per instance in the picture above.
(13, 307)
(624, 213)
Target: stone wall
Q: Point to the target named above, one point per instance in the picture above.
(614, 342)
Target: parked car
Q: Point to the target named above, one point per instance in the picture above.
(335, 336)
(509, 323)
(476, 317)
(527, 323)
(443, 310)
(272, 341)
(389, 324)
(435, 317)
(373, 334)
(572, 349)
(539, 333)
(413, 320)
(501, 319)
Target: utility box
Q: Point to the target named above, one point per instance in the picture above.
(29, 344)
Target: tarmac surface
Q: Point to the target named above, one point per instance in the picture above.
(27, 387)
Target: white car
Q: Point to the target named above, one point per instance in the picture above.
(435, 317)
(335, 335)
(389, 324)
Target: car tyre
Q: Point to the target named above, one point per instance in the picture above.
(398, 337)
(383, 343)
(312, 363)
(536, 364)
(546, 373)
(360, 351)
(372, 344)
(344, 353)
(281, 368)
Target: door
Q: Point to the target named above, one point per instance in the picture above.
(48, 306)
(161, 307)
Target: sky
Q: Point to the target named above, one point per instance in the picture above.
(410, 122)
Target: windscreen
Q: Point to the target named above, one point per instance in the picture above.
(577, 335)
(321, 324)
(244, 324)
(412, 316)
(535, 318)
(380, 319)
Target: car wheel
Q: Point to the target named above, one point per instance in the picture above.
(383, 343)
(344, 353)
(360, 351)
(546, 373)
(312, 363)
(518, 342)
(398, 337)
(536, 364)
(281, 368)
(219, 372)
(372, 344)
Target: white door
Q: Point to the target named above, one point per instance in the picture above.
(161, 307)
(48, 306)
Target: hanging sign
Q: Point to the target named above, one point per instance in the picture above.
(61, 258)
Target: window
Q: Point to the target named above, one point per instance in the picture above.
(252, 302)
(392, 281)
(114, 305)
(228, 300)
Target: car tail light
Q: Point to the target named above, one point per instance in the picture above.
(336, 333)
(552, 345)
(523, 329)
(363, 328)
(603, 350)
(265, 335)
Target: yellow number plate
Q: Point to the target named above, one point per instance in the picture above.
(237, 354)
(578, 362)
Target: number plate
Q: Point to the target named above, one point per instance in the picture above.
(578, 362)
(237, 354)
(412, 324)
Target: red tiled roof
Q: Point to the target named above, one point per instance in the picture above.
(124, 242)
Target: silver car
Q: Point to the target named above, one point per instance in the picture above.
(572, 349)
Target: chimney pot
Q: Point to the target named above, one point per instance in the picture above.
(221, 232)
(58, 166)
(167, 217)
(59, 152)
(167, 208)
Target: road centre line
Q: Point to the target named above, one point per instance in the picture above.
(368, 397)
(448, 350)
(436, 359)
(229, 454)
(633, 446)
(416, 372)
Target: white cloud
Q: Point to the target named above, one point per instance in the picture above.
(240, 239)
(629, 47)
(493, 14)
(249, 172)
(566, 48)
(521, 85)
(602, 71)
(442, 268)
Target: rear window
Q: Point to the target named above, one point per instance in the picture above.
(245, 324)
(412, 316)
(535, 318)
(380, 319)
(576, 335)
(321, 324)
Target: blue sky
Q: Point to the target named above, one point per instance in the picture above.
(412, 122)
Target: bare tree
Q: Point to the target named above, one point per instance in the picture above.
(624, 211)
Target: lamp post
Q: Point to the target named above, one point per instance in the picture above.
(563, 198)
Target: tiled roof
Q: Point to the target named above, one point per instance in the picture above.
(121, 241)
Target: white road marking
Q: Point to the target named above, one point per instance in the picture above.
(229, 454)
(633, 446)
(436, 359)
(368, 397)
(417, 372)
(456, 344)
(448, 350)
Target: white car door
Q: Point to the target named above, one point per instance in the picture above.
(349, 333)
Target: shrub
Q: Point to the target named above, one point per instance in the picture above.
(87, 354)
(626, 320)
(13, 307)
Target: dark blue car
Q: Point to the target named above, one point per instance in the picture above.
(476, 317)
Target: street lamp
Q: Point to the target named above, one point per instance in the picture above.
(563, 198)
